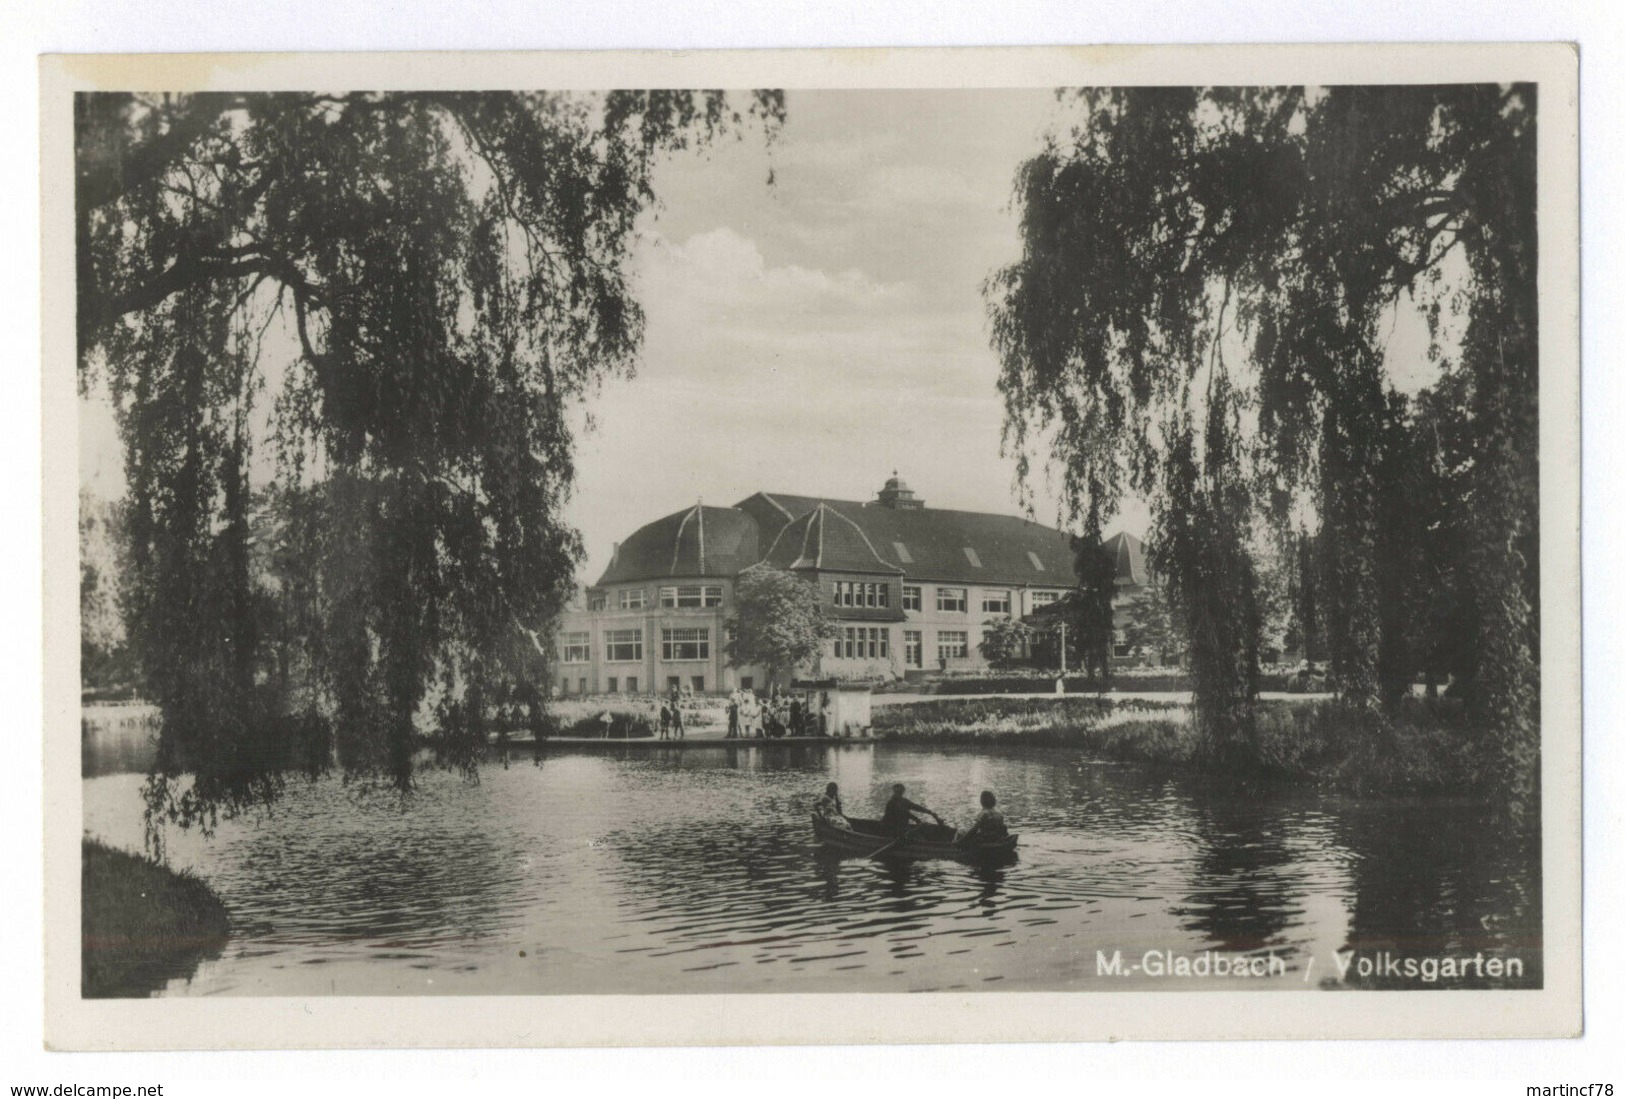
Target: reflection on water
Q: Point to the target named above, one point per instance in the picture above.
(681, 870)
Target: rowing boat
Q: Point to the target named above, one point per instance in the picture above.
(922, 841)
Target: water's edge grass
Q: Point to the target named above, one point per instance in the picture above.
(142, 923)
(1424, 748)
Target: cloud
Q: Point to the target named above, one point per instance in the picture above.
(722, 266)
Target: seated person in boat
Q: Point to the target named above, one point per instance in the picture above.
(828, 807)
(900, 813)
(988, 827)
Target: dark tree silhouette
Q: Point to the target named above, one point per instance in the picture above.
(1172, 226)
(413, 288)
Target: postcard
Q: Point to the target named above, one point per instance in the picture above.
(811, 546)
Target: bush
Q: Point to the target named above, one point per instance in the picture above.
(1423, 747)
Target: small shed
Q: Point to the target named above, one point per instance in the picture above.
(842, 709)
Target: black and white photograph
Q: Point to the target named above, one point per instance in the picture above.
(623, 540)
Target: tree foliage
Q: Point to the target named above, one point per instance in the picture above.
(1246, 247)
(103, 653)
(1148, 624)
(777, 622)
(1006, 641)
(1096, 574)
(390, 301)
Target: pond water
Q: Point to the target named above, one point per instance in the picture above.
(640, 869)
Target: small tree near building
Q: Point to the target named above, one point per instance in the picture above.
(777, 622)
(1149, 629)
(1006, 642)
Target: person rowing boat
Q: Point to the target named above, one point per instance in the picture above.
(901, 813)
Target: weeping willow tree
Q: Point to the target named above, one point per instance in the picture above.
(1283, 226)
(1110, 330)
(390, 301)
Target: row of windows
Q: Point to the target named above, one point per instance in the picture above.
(957, 600)
(694, 643)
(692, 595)
(867, 642)
(612, 685)
(683, 595)
(861, 593)
(847, 593)
(861, 642)
(951, 645)
(626, 646)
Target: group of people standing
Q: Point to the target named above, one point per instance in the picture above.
(671, 720)
(776, 716)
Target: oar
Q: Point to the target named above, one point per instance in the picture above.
(895, 842)
(886, 848)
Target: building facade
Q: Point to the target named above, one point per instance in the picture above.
(908, 587)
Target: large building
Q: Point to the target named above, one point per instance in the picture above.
(909, 587)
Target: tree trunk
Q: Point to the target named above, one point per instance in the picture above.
(1349, 524)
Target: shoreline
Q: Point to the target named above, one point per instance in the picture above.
(142, 924)
(1421, 749)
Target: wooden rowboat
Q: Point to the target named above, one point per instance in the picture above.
(923, 841)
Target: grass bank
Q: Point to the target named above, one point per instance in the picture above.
(142, 924)
(1422, 748)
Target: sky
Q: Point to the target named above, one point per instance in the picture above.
(814, 335)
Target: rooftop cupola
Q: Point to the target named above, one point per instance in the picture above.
(897, 495)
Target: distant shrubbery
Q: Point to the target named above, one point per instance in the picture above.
(1423, 747)
(972, 719)
(1019, 680)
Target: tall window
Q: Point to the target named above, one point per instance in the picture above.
(575, 647)
(634, 599)
(912, 649)
(952, 599)
(623, 646)
(911, 597)
(995, 602)
(952, 644)
(681, 643)
(864, 643)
